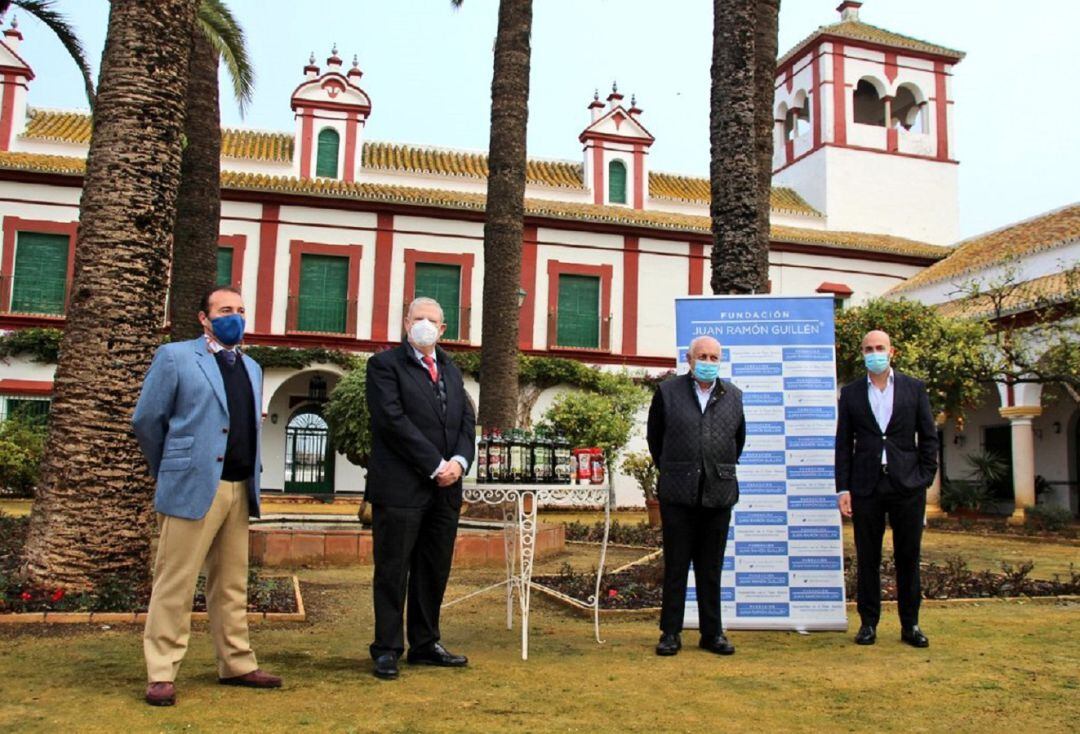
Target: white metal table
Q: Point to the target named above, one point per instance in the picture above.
(519, 504)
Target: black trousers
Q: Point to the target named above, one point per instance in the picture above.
(413, 549)
(905, 513)
(697, 534)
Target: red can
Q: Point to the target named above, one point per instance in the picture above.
(598, 469)
(584, 465)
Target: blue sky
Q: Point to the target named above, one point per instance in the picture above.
(428, 71)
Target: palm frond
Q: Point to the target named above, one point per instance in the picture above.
(44, 11)
(227, 37)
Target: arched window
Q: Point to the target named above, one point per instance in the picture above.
(868, 106)
(908, 109)
(796, 122)
(326, 160)
(616, 182)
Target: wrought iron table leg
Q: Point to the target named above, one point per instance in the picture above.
(510, 556)
(600, 567)
(526, 507)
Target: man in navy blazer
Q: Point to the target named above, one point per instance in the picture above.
(198, 424)
(886, 457)
(423, 435)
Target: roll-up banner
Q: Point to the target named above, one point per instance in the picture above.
(784, 564)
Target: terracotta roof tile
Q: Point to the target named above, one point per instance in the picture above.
(853, 241)
(859, 31)
(1024, 238)
(256, 145)
(1038, 293)
(696, 191)
(64, 127)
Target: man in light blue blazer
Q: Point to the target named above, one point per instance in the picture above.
(198, 424)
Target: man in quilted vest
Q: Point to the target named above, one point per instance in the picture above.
(696, 433)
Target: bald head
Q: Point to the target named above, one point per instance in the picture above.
(876, 341)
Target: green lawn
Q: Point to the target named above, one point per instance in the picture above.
(991, 666)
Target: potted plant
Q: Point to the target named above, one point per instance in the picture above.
(640, 466)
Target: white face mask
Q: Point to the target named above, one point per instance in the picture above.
(424, 333)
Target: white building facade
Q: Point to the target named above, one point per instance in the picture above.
(329, 234)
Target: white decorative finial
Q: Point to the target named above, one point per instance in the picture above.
(596, 95)
(355, 61)
(311, 59)
(14, 22)
(334, 49)
(614, 88)
(633, 100)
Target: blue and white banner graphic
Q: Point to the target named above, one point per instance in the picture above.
(784, 564)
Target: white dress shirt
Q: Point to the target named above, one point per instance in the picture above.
(881, 403)
(703, 393)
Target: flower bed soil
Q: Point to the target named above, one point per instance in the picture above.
(639, 586)
(274, 594)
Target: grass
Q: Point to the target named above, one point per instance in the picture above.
(991, 666)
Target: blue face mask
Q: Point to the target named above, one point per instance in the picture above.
(876, 362)
(228, 330)
(706, 371)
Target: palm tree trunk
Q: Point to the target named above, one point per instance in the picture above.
(92, 517)
(198, 200)
(504, 222)
(736, 258)
(765, 48)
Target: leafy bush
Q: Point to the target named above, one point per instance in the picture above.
(41, 345)
(1048, 517)
(640, 466)
(22, 444)
(604, 419)
(348, 417)
(960, 494)
(638, 534)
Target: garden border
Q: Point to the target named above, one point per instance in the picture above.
(140, 617)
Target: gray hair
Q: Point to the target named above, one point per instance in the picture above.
(702, 338)
(424, 301)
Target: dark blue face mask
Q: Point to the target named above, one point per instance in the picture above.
(228, 330)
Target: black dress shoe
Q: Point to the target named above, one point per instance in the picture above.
(867, 635)
(386, 666)
(718, 644)
(437, 655)
(914, 636)
(669, 644)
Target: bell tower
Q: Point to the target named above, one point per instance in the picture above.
(616, 147)
(864, 129)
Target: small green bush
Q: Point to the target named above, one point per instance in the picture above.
(22, 444)
(1047, 517)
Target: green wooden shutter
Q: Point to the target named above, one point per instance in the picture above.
(616, 182)
(443, 283)
(40, 279)
(323, 297)
(579, 312)
(224, 265)
(327, 159)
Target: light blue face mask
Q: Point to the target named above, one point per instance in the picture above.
(706, 371)
(876, 362)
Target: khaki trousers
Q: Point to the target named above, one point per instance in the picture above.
(220, 540)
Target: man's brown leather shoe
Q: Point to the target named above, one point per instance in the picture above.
(161, 694)
(257, 678)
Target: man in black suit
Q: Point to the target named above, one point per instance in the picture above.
(423, 434)
(886, 457)
(696, 432)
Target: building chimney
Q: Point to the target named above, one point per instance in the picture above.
(311, 71)
(596, 106)
(12, 36)
(614, 98)
(849, 10)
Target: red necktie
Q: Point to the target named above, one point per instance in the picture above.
(430, 362)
